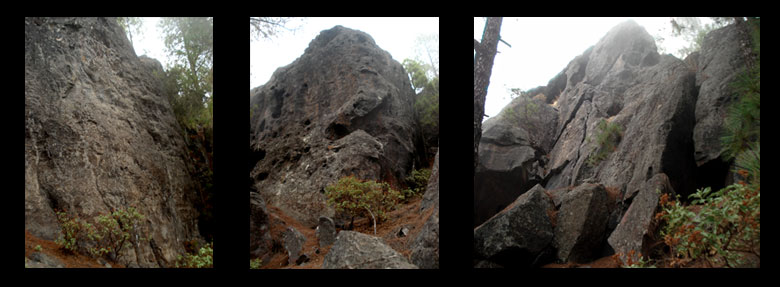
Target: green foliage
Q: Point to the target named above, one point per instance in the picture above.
(38, 248)
(256, 263)
(106, 236)
(417, 182)
(607, 136)
(73, 231)
(362, 198)
(727, 224)
(189, 80)
(203, 259)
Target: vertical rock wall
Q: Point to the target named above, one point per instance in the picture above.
(100, 136)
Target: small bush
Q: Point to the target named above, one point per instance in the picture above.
(727, 224)
(607, 136)
(256, 263)
(107, 236)
(203, 259)
(362, 198)
(418, 182)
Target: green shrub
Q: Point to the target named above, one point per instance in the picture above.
(362, 198)
(727, 224)
(607, 136)
(417, 182)
(203, 259)
(256, 263)
(107, 236)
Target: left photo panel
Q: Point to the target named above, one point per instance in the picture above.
(118, 148)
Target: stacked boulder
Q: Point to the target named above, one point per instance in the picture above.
(577, 201)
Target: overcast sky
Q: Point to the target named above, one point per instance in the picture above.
(542, 47)
(395, 35)
(150, 42)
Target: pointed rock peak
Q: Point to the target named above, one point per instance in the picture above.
(628, 42)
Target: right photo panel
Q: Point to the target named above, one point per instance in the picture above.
(617, 142)
(343, 143)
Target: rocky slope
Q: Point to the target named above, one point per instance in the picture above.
(591, 199)
(344, 107)
(100, 136)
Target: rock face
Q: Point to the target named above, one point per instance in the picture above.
(354, 250)
(344, 107)
(100, 135)
(668, 114)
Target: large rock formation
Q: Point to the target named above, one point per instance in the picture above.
(344, 107)
(666, 126)
(100, 135)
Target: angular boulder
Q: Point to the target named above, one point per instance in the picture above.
(636, 229)
(293, 243)
(517, 235)
(100, 136)
(581, 222)
(344, 107)
(354, 250)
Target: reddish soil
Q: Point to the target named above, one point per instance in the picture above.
(52, 249)
(407, 214)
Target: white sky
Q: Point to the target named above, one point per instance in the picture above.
(394, 35)
(150, 42)
(542, 47)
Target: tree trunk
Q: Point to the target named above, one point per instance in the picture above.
(483, 66)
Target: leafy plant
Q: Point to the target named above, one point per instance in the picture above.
(606, 137)
(727, 223)
(107, 236)
(38, 248)
(361, 198)
(203, 259)
(418, 182)
(256, 263)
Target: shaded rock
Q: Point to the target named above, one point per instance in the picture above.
(636, 229)
(260, 241)
(431, 196)
(354, 250)
(99, 135)
(722, 58)
(581, 221)
(293, 243)
(344, 107)
(519, 233)
(425, 247)
(326, 231)
(511, 153)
